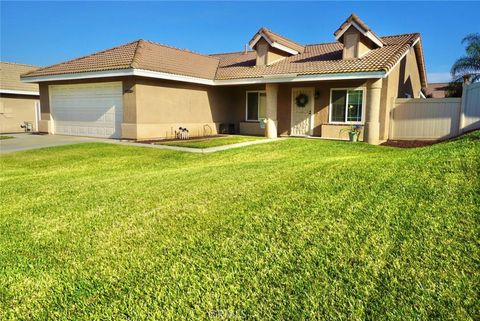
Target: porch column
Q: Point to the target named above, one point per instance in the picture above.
(372, 130)
(271, 112)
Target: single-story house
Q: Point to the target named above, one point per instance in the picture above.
(144, 90)
(19, 101)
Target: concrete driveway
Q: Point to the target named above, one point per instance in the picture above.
(30, 141)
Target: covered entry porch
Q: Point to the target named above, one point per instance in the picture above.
(319, 109)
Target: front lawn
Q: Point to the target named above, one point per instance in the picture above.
(3, 137)
(296, 229)
(212, 141)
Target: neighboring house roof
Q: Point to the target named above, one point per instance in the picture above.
(436, 90)
(145, 58)
(274, 39)
(139, 54)
(10, 82)
(361, 26)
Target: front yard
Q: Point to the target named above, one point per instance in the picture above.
(294, 229)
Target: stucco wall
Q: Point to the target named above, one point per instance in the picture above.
(403, 79)
(267, 54)
(321, 127)
(237, 109)
(14, 110)
(163, 106)
(355, 44)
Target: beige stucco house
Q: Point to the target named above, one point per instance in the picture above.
(19, 101)
(143, 90)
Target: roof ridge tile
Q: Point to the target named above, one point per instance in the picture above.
(179, 49)
(137, 54)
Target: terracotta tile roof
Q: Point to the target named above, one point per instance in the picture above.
(354, 18)
(317, 59)
(275, 37)
(10, 76)
(139, 54)
(323, 58)
(437, 90)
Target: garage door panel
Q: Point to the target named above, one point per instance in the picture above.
(87, 109)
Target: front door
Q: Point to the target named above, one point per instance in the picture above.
(302, 111)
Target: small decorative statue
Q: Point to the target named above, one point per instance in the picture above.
(182, 133)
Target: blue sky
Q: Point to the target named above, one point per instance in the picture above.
(44, 33)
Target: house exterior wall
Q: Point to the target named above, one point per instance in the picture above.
(355, 44)
(164, 106)
(267, 54)
(238, 110)
(403, 79)
(321, 125)
(262, 52)
(16, 109)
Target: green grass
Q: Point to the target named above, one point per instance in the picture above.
(212, 142)
(3, 137)
(291, 230)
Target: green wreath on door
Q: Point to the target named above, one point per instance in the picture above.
(301, 100)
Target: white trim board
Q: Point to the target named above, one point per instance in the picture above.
(273, 44)
(367, 34)
(119, 73)
(19, 92)
(203, 81)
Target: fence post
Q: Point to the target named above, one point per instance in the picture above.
(461, 117)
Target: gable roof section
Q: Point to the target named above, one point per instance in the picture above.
(357, 23)
(139, 54)
(10, 79)
(318, 59)
(276, 41)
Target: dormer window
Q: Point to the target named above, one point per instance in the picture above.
(271, 47)
(357, 38)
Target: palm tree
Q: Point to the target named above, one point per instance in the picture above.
(469, 64)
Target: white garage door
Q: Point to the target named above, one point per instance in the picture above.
(93, 109)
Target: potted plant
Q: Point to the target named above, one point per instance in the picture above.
(353, 132)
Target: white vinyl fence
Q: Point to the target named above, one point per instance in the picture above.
(435, 118)
(470, 116)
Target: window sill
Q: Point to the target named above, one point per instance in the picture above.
(345, 124)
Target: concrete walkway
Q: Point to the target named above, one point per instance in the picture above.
(202, 150)
(28, 141)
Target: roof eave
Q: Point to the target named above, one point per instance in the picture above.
(204, 81)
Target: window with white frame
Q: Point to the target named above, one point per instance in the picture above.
(346, 106)
(256, 105)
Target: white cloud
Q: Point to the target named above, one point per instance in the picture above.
(439, 77)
